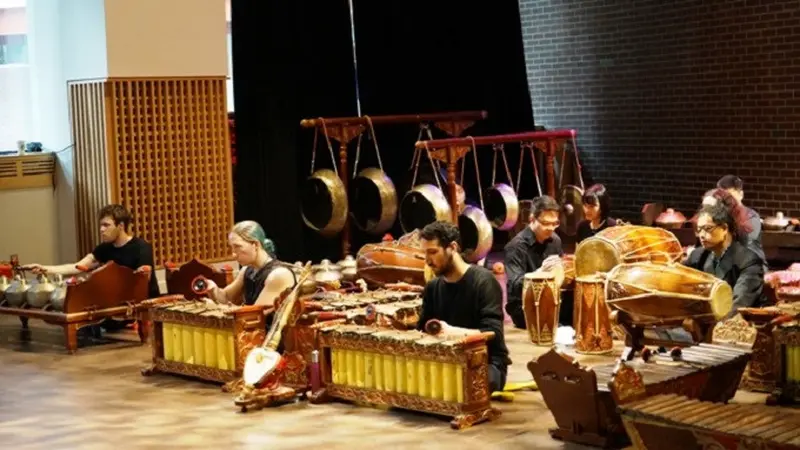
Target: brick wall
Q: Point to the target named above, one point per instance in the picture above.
(669, 96)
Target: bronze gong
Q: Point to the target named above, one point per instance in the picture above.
(502, 206)
(571, 209)
(476, 234)
(373, 201)
(324, 202)
(423, 204)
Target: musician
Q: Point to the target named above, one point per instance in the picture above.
(262, 277)
(735, 186)
(118, 245)
(528, 250)
(749, 230)
(463, 295)
(596, 210)
(724, 256)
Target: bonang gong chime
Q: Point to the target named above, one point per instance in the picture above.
(373, 197)
(323, 201)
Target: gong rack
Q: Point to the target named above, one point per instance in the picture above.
(452, 150)
(345, 129)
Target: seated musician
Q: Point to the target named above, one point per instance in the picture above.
(463, 296)
(748, 224)
(596, 210)
(724, 256)
(262, 277)
(528, 250)
(735, 186)
(118, 245)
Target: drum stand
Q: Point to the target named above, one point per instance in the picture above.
(634, 334)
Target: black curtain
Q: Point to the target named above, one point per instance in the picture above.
(435, 56)
(291, 60)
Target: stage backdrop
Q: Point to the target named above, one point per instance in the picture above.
(293, 60)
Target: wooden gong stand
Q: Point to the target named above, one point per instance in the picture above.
(345, 129)
(451, 150)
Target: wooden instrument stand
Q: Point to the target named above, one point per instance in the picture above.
(451, 150)
(635, 340)
(112, 291)
(345, 129)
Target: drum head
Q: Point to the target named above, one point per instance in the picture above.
(416, 211)
(595, 255)
(721, 300)
(260, 362)
(365, 203)
(316, 203)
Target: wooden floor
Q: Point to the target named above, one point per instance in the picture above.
(97, 399)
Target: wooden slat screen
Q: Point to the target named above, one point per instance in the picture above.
(168, 161)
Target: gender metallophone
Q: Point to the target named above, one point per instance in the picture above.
(409, 370)
(583, 400)
(672, 421)
(202, 340)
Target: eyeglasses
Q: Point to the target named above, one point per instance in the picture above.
(707, 229)
(554, 224)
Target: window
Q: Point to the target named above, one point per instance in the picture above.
(15, 94)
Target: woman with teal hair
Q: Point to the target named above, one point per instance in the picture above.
(262, 278)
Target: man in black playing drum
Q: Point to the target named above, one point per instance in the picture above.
(723, 255)
(534, 246)
(464, 296)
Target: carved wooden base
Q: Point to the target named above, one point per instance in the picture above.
(191, 370)
(254, 399)
(463, 421)
(460, 421)
(595, 440)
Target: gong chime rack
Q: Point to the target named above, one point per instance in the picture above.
(345, 129)
(452, 149)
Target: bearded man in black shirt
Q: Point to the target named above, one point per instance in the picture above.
(463, 296)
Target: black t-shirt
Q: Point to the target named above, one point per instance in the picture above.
(134, 254)
(475, 301)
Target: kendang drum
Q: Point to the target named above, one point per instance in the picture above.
(423, 204)
(373, 201)
(667, 294)
(324, 202)
(541, 302)
(476, 234)
(626, 244)
(591, 318)
(395, 261)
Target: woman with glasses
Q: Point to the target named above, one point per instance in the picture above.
(723, 255)
(596, 210)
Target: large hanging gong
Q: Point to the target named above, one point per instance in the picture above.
(323, 202)
(373, 201)
(422, 205)
(476, 234)
(502, 204)
(571, 201)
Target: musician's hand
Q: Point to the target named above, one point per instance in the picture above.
(35, 268)
(210, 285)
(689, 250)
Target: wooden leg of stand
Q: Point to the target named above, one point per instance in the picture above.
(143, 329)
(71, 337)
(634, 336)
(24, 322)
